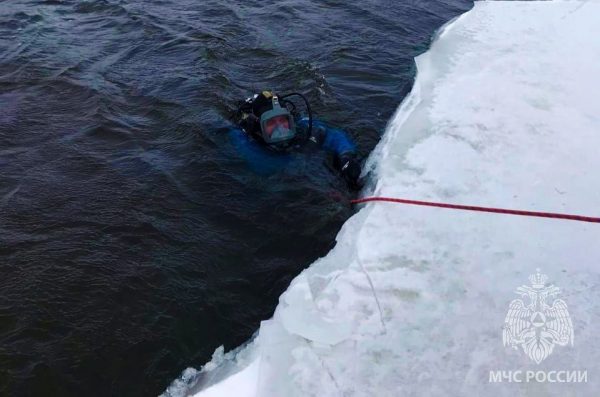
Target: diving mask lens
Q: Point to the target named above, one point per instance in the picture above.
(277, 126)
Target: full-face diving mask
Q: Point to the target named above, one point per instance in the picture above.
(277, 125)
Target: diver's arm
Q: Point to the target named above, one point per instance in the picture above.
(337, 142)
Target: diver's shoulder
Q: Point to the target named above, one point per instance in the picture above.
(304, 121)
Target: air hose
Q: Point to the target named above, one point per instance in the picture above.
(310, 119)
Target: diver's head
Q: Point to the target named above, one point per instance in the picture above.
(277, 126)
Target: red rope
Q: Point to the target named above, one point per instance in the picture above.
(481, 209)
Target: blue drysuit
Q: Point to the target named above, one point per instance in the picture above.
(264, 161)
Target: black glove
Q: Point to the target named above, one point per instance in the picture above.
(351, 172)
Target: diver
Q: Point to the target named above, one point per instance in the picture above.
(278, 126)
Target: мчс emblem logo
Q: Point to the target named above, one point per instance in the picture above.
(537, 327)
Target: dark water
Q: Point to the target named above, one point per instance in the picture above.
(133, 238)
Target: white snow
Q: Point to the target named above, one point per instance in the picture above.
(505, 112)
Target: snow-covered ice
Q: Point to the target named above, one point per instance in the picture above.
(412, 301)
